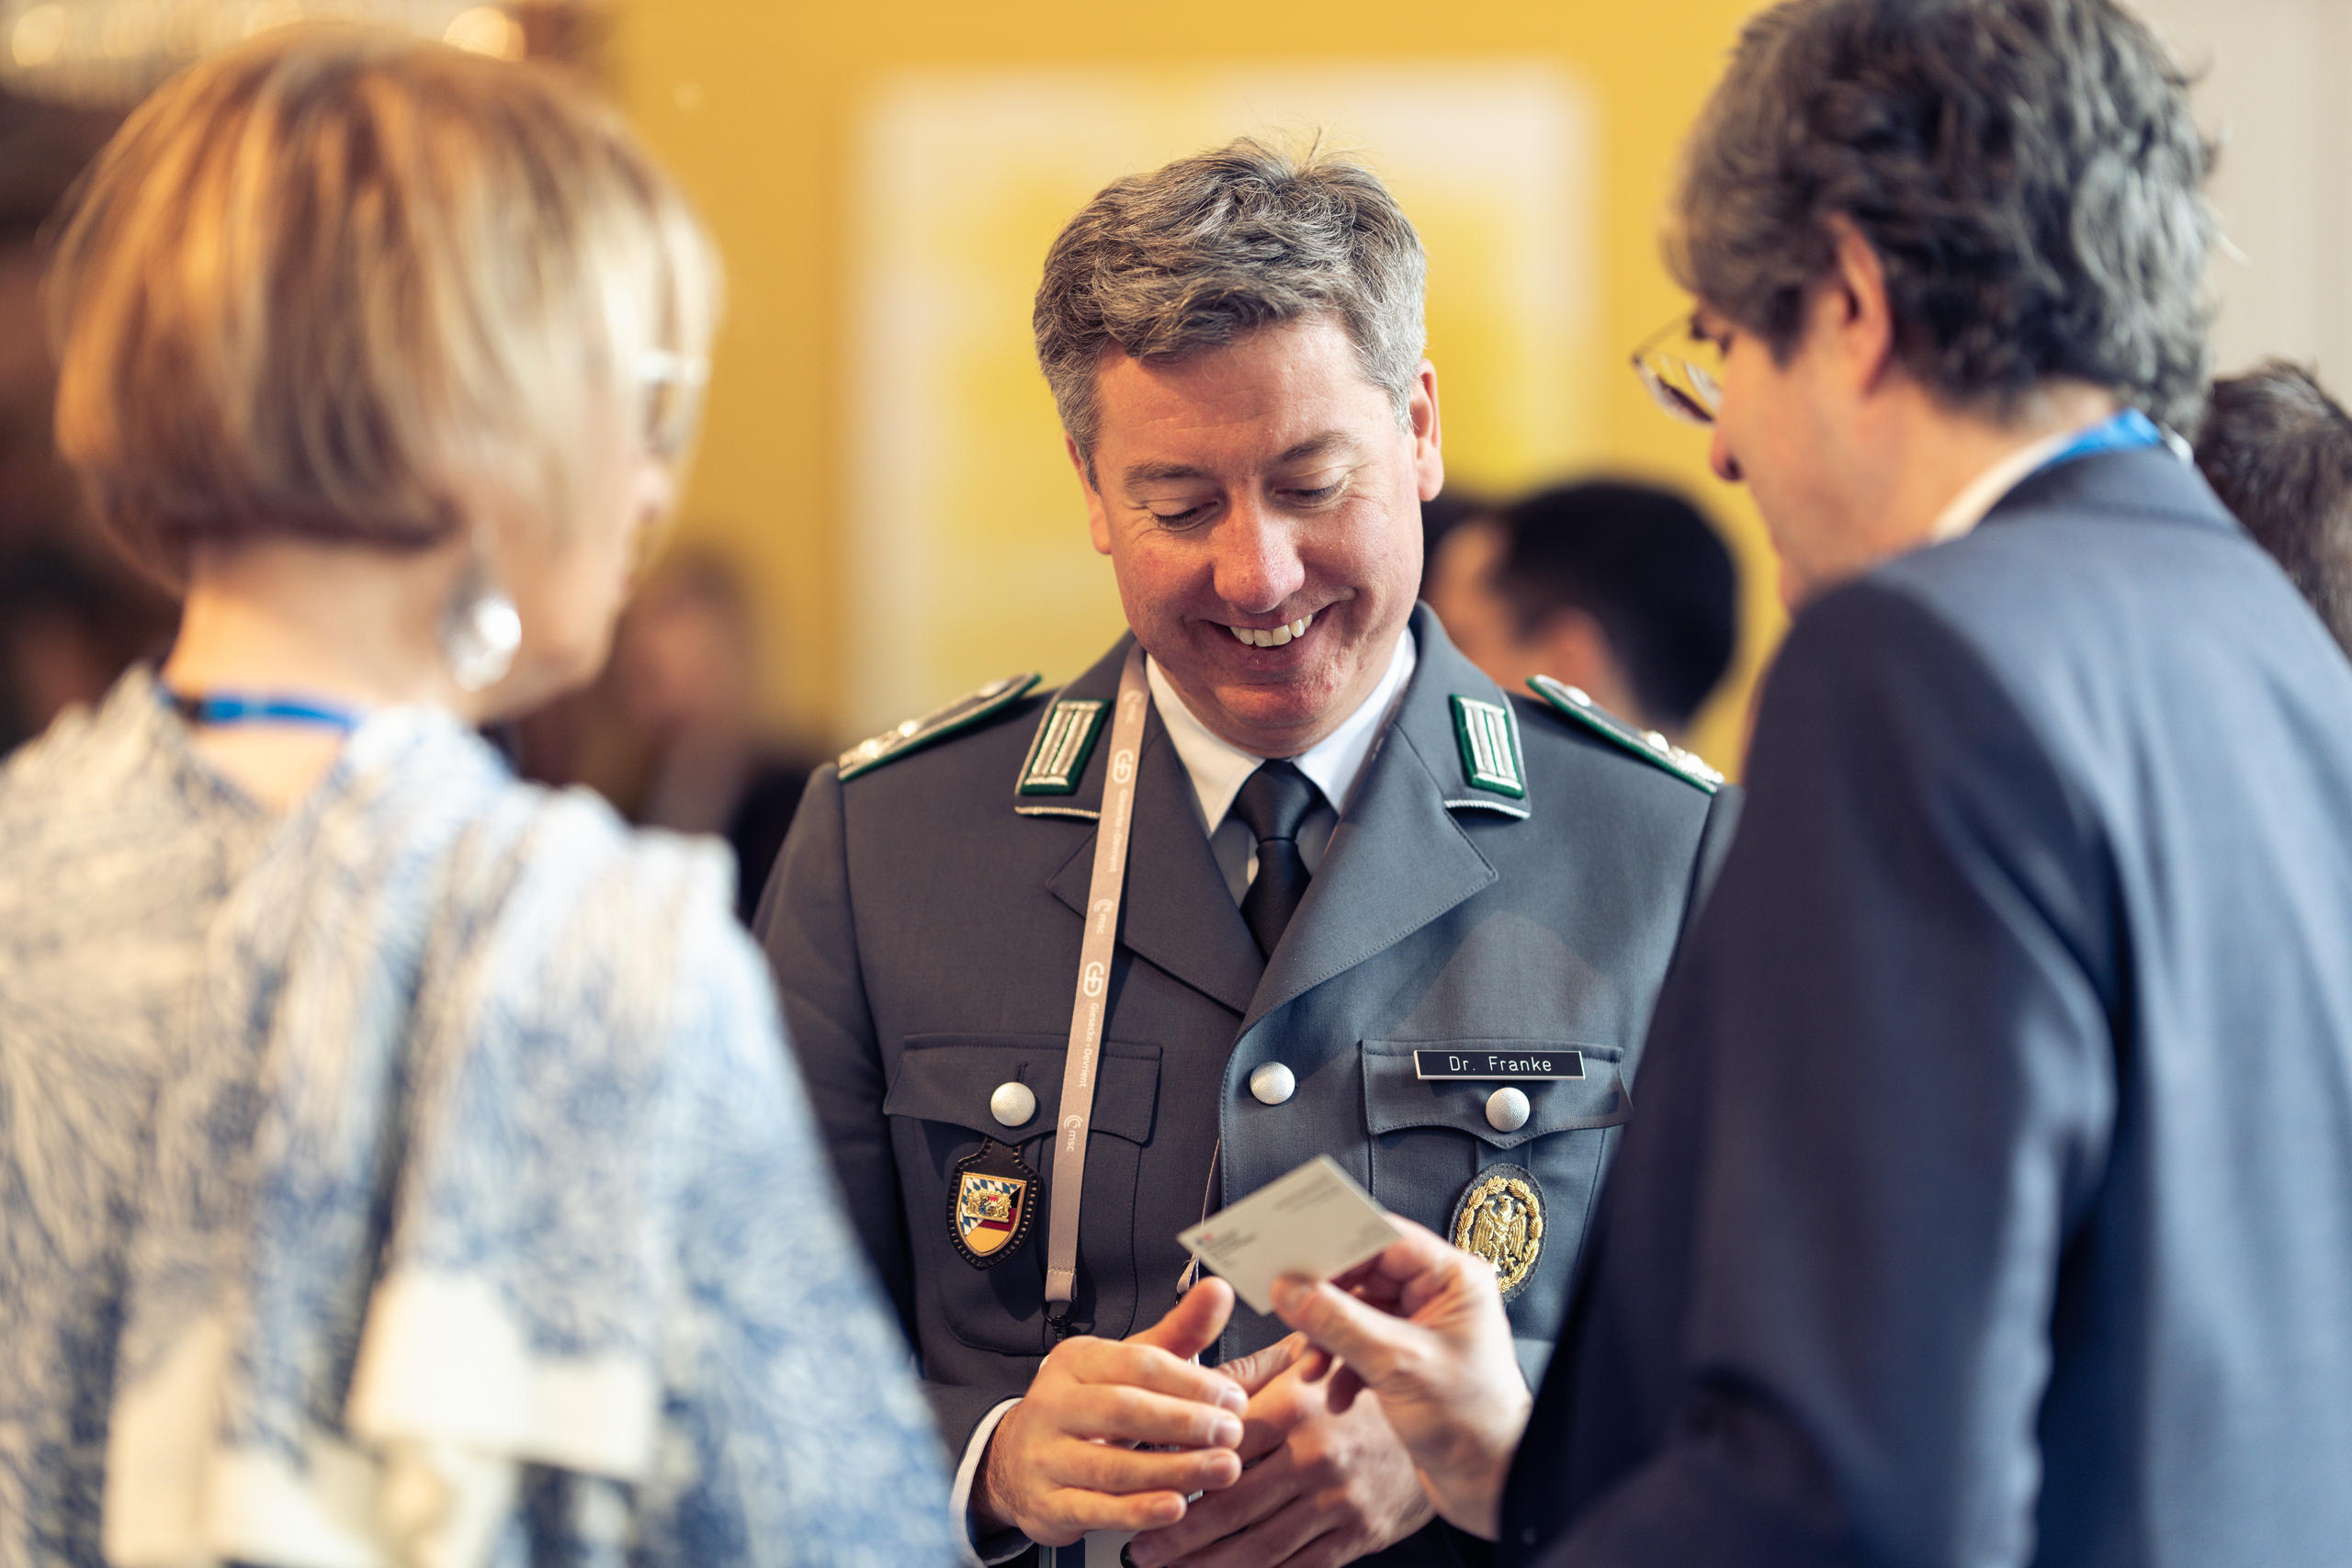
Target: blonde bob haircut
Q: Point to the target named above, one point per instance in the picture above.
(359, 287)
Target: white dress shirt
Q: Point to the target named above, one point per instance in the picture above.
(1218, 769)
(1983, 492)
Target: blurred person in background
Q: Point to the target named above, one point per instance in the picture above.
(73, 613)
(2277, 450)
(1347, 845)
(1440, 515)
(1990, 1197)
(1622, 590)
(398, 1163)
(673, 732)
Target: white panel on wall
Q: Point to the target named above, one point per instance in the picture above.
(968, 553)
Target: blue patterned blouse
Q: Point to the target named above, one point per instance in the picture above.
(416, 1177)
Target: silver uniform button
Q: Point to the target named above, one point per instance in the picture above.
(1273, 1084)
(1013, 1103)
(1507, 1109)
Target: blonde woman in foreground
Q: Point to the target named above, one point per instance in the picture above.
(398, 1163)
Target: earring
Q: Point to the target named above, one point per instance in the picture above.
(480, 629)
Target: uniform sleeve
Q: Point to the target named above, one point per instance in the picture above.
(808, 927)
(795, 1430)
(1878, 1088)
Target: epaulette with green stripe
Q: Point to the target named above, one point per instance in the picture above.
(1646, 744)
(917, 733)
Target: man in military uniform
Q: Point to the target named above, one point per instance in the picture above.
(1374, 906)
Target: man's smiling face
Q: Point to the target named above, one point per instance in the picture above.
(1260, 505)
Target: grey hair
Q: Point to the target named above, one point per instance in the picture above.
(2026, 170)
(1208, 249)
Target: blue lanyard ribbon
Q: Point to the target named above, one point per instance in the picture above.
(2129, 430)
(235, 707)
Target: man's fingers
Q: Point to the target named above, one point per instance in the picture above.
(1263, 1490)
(1273, 1539)
(1108, 1469)
(1124, 1362)
(1125, 1414)
(1193, 1325)
(1259, 1368)
(1081, 1511)
(1365, 1336)
(1345, 1386)
(1417, 1250)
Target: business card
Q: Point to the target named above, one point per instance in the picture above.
(1316, 1222)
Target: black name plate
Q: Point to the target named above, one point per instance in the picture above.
(1511, 1067)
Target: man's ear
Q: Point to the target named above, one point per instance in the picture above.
(1420, 412)
(1098, 522)
(1862, 315)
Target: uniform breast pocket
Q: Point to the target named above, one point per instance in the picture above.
(940, 1106)
(1432, 1138)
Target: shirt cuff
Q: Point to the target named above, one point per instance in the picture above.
(1003, 1546)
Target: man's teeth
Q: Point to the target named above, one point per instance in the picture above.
(1275, 637)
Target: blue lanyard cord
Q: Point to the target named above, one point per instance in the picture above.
(216, 709)
(2127, 431)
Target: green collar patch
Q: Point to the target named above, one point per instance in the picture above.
(917, 733)
(1648, 744)
(1064, 740)
(1489, 736)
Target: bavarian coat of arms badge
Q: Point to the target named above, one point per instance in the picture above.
(990, 1205)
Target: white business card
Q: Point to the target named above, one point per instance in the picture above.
(1316, 1222)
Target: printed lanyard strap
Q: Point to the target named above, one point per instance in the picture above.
(1086, 1015)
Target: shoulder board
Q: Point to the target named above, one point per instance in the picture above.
(917, 733)
(1646, 744)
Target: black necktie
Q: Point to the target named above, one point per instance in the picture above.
(1273, 803)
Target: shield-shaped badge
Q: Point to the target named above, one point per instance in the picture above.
(990, 1205)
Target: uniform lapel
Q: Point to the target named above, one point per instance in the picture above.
(1397, 860)
(1178, 914)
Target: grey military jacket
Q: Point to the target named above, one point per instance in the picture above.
(924, 923)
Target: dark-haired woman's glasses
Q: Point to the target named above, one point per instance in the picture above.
(1675, 374)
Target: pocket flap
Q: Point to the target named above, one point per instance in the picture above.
(1395, 1098)
(950, 1077)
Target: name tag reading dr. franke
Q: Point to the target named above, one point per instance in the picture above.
(1510, 1067)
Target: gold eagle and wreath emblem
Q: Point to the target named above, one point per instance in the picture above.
(1500, 1217)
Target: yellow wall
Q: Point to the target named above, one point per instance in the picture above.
(755, 103)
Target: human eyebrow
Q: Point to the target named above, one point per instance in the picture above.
(1330, 443)
(1159, 473)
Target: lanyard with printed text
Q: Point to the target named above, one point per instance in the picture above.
(1086, 1016)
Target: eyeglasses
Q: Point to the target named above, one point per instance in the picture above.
(1683, 386)
(673, 385)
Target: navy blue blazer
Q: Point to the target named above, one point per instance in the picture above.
(1988, 1194)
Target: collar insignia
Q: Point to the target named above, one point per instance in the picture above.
(1064, 740)
(917, 733)
(1489, 738)
(1646, 744)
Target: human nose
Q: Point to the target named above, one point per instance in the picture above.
(1719, 458)
(1257, 565)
